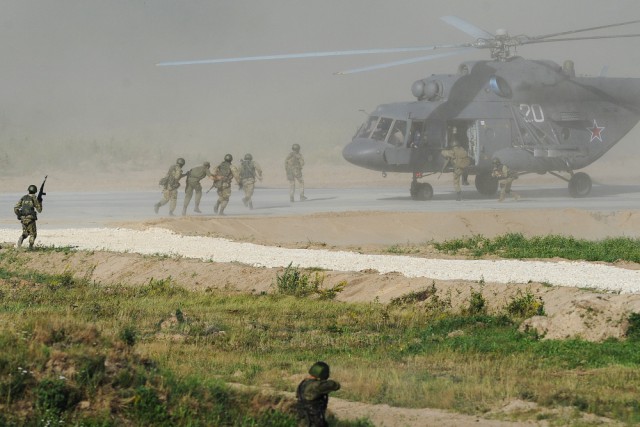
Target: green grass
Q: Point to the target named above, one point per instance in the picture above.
(515, 245)
(160, 354)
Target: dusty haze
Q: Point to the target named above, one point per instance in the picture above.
(81, 92)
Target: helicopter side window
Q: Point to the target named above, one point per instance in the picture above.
(381, 131)
(397, 133)
(368, 127)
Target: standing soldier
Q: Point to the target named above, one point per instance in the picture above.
(170, 184)
(194, 176)
(461, 161)
(223, 175)
(505, 178)
(249, 171)
(313, 395)
(293, 165)
(27, 210)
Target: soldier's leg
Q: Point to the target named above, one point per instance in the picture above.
(188, 193)
(245, 188)
(226, 194)
(292, 189)
(33, 233)
(173, 201)
(24, 235)
(301, 181)
(198, 198)
(216, 208)
(503, 191)
(250, 187)
(165, 199)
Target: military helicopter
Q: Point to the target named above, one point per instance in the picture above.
(535, 116)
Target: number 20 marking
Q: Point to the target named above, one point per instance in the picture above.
(532, 113)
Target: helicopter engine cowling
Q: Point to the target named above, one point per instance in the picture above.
(521, 160)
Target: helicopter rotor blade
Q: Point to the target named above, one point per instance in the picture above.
(583, 29)
(307, 55)
(403, 62)
(467, 27)
(571, 39)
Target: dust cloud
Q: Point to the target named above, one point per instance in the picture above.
(82, 96)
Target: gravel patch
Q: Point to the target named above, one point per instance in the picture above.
(164, 242)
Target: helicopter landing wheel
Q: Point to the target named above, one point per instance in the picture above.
(486, 184)
(580, 185)
(421, 191)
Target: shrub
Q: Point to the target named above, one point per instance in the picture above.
(633, 330)
(525, 305)
(55, 395)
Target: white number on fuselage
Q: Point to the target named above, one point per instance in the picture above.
(532, 113)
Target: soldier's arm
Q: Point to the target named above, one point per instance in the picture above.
(317, 388)
(16, 208)
(38, 205)
(235, 173)
(258, 170)
(301, 161)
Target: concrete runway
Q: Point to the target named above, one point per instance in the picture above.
(100, 209)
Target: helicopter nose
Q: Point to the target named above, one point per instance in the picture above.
(365, 153)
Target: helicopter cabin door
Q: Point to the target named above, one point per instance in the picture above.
(396, 152)
(491, 135)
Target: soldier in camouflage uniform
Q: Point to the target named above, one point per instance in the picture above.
(27, 210)
(293, 165)
(505, 177)
(194, 176)
(461, 161)
(249, 171)
(313, 395)
(223, 175)
(170, 184)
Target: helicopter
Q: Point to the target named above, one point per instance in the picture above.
(535, 116)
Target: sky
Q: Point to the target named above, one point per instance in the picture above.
(85, 70)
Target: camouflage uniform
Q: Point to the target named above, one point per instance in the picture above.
(171, 183)
(27, 210)
(505, 177)
(249, 171)
(313, 397)
(194, 176)
(461, 162)
(293, 165)
(223, 175)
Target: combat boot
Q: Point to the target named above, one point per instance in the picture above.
(197, 210)
(302, 198)
(222, 206)
(458, 196)
(215, 208)
(20, 242)
(156, 207)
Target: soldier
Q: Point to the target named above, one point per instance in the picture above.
(249, 171)
(170, 184)
(194, 176)
(505, 178)
(313, 395)
(223, 175)
(27, 210)
(461, 161)
(293, 165)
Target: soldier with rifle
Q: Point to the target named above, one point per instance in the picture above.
(194, 176)
(27, 210)
(249, 171)
(223, 175)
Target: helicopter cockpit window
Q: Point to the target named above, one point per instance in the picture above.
(368, 127)
(381, 131)
(398, 132)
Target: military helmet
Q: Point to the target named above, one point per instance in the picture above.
(180, 161)
(319, 370)
(248, 156)
(228, 158)
(295, 147)
(33, 189)
(206, 164)
(496, 161)
(455, 143)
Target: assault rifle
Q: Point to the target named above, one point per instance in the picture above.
(41, 193)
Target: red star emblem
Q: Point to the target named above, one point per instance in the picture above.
(596, 131)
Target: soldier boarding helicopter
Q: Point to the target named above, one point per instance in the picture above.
(533, 115)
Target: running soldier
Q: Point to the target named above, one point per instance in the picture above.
(505, 177)
(313, 395)
(27, 210)
(461, 161)
(223, 175)
(194, 176)
(293, 165)
(170, 184)
(249, 171)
